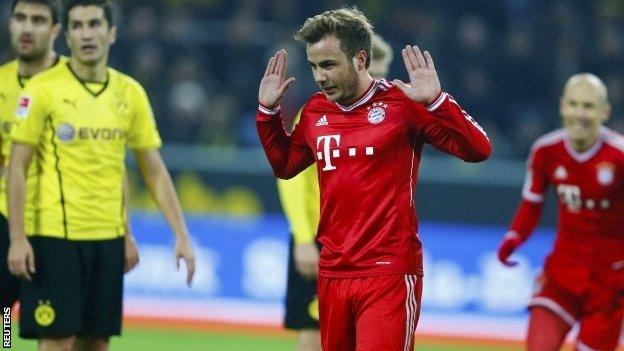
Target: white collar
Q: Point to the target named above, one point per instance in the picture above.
(585, 155)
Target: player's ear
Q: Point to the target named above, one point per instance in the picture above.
(360, 60)
(112, 35)
(56, 30)
(606, 112)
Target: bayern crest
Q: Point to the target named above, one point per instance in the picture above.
(605, 174)
(377, 112)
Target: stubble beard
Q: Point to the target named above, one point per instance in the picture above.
(349, 88)
(33, 56)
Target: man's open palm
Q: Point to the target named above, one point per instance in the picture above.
(274, 84)
(424, 85)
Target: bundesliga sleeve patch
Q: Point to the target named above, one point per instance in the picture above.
(23, 106)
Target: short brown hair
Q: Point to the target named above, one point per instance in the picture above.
(53, 5)
(105, 5)
(348, 24)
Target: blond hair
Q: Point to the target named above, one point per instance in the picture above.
(381, 49)
(591, 79)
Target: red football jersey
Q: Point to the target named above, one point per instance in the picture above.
(590, 191)
(367, 156)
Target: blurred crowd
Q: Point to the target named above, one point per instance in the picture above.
(504, 61)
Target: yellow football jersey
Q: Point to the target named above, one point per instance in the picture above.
(80, 136)
(10, 90)
(300, 198)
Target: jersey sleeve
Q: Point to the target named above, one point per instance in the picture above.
(447, 127)
(287, 154)
(30, 115)
(300, 200)
(142, 133)
(533, 193)
(535, 181)
(526, 219)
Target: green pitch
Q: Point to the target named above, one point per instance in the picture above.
(166, 340)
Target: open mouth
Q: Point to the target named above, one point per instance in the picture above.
(581, 124)
(23, 41)
(88, 48)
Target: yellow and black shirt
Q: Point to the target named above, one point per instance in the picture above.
(10, 90)
(80, 132)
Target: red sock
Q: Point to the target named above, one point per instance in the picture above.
(547, 331)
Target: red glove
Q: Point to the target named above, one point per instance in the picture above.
(510, 243)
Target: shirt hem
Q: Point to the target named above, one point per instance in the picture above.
(21, 140)
(79, 237)
(146, 146)
(368, 273)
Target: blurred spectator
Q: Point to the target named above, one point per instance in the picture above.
(187, 103)
(143, 23)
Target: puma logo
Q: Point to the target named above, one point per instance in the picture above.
(72, 103)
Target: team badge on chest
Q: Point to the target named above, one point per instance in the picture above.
(605, 173)
(377, 112)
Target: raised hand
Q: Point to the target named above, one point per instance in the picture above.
(424, 85)
(510, 243)
(274, 84)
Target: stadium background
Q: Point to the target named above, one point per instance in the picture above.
(201, 60)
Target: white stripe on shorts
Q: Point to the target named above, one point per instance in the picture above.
(411, 306)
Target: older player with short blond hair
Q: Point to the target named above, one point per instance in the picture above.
(582, 281)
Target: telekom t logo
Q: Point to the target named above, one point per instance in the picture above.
(327, 152)
(570, 195)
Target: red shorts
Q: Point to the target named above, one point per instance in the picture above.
(369, 313)
(593, 297)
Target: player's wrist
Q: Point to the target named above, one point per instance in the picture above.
(16, 230)
(512, 236)
(436, 101)
(18, 237)
(269, 110)
(183, 237)
(435, 97)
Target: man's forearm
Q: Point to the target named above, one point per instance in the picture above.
(284, 157)
(16, 194)
(462, 136)
(163, 192)
(126, 197)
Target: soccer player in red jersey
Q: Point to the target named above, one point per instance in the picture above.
(583, 277)
(365, 137)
